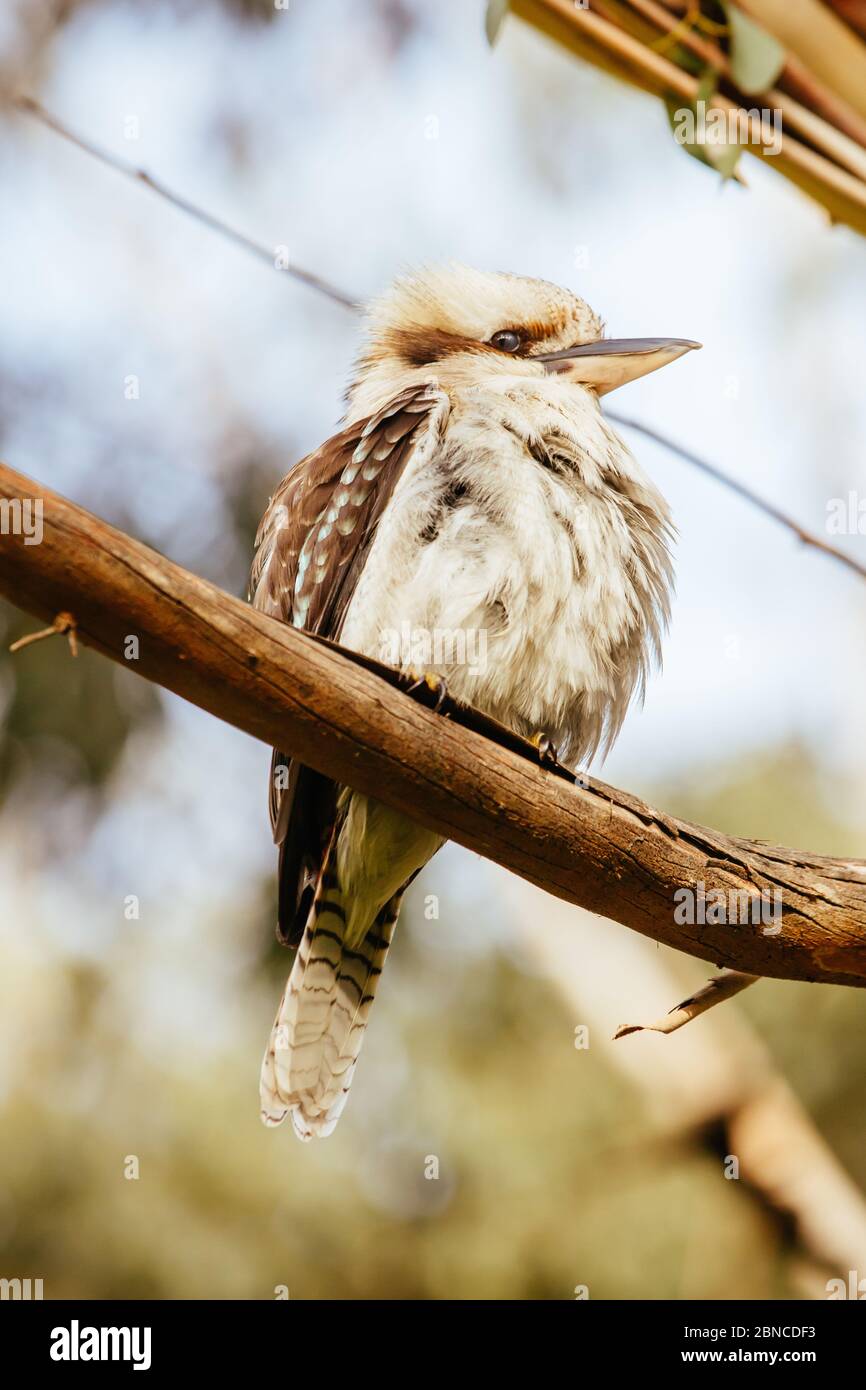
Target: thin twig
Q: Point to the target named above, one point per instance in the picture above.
(131, 171)
(315, 282)
(770, 508)
(64, 624)
(715, 991)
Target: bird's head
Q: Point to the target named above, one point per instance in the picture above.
(461, 325)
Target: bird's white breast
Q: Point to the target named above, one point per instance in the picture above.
(524, 560)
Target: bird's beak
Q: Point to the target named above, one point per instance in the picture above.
(612, 362)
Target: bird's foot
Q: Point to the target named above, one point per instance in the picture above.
(546, 749)
(434, 683)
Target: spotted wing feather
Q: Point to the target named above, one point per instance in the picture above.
(311, 547)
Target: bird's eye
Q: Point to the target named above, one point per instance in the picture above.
(506, 341)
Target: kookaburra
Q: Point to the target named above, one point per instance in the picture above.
(475, 487)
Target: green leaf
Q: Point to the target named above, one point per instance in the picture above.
(757, 57)
(707, 85)
(496, 12)
(675, 110)
(724, 157)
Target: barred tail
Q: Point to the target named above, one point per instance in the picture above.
(319, 1028)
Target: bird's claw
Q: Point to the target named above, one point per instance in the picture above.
(546, 749)
(433, 683)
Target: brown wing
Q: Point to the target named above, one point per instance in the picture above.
(310, 550)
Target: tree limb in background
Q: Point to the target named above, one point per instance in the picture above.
(455, 772)
(715, 1088)
(268, 254)
(768, 508)
(830, 137)
(625, 51)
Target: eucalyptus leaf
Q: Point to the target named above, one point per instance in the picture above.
(493, 19)
(709, 81)
(757, 57)
(724, 157)
(675, 111)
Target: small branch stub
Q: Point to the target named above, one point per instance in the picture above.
(64, 624)
(715, 991)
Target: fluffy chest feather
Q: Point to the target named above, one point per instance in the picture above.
(525, 560)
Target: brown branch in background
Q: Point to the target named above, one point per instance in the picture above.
(579, 839)
(831, 141)
(795, 78)
(606, 45)
(805, 87)
(666, 78)
(769, 508)
(810, 30)
(852, 11)
(315, 282)
(131, 171)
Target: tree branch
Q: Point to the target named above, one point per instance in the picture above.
(458, 773)
(769, 508)
(268, 254)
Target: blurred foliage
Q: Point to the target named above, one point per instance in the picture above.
(552, 1172)
(549, 1176)
(74, 739)
(780, 795)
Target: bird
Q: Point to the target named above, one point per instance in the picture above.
(474, 487)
